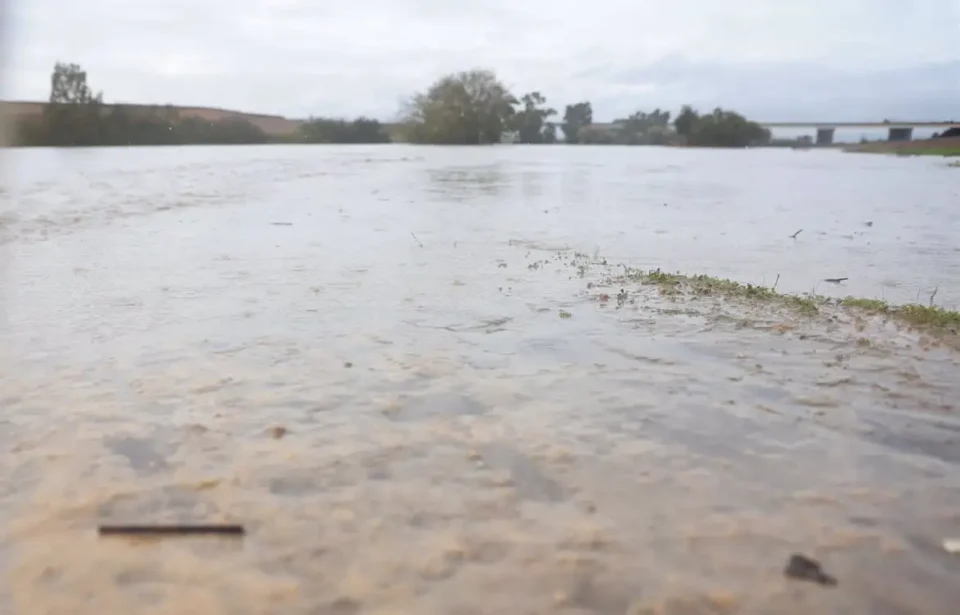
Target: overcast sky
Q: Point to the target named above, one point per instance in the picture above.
(772, 59)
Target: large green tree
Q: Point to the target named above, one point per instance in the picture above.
(73, 115)
(466, 108)
(530, 120)
(720, 128)
(575, 118)
(685, 121)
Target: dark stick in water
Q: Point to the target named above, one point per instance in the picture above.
(835, 280)
(170, 530)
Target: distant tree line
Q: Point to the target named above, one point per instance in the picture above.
(475, 107)
(76, 116)
(466, 108)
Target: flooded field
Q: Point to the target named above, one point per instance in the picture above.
(407, 373)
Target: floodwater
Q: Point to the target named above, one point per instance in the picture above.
(355, 352)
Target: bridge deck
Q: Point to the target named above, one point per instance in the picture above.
(814, 125)
(860, 124)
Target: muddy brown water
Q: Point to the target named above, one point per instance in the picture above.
(452, 444)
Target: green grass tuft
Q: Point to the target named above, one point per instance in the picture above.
(705, 285)
(874, 306)
(930, 319)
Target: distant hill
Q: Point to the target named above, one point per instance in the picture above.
(274, 125)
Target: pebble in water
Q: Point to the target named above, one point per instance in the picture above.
(803, 568)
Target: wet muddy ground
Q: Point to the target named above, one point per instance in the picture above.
(447, 429)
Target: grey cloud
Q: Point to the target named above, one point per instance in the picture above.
(797, 91)
(296, 57)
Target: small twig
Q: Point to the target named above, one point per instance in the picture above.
(835, 280)
(775, 282)
(918, 294)
(933, 294)
(415, 239)
(794, 236)
(170, 530)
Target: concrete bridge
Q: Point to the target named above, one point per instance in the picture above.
(898, 131)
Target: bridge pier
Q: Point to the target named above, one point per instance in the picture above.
(900, 134)
(898, 130)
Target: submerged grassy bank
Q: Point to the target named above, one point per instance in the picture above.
(942, 151)
(929, 319)
(941, 146)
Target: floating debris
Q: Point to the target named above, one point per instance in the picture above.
(171, 530)
(802, 568)
(835, 280)
(794, 236)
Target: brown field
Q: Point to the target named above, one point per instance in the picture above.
(270, 124)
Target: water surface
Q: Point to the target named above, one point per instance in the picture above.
(451, 443)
